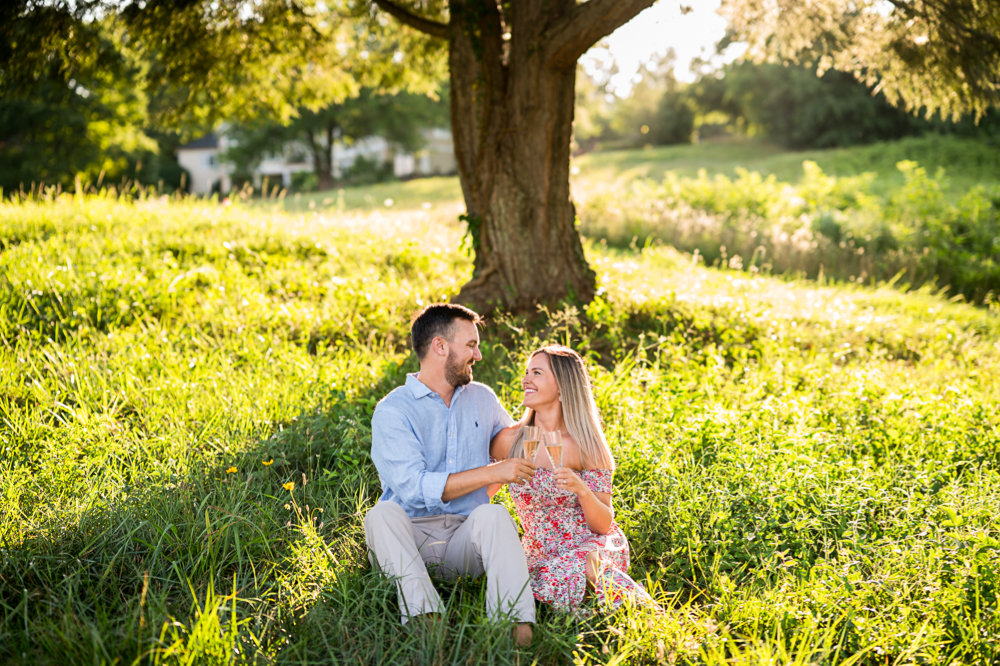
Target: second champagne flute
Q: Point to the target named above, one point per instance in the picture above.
(553, 446)
(531, 437)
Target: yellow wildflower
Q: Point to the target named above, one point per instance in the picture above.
(268, 463)
(231, 470)
(290, 486)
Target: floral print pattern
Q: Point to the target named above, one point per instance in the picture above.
(557, 541)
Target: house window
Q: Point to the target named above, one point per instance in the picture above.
(212, 160)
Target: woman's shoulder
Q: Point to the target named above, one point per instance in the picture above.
(503, 440)
(599, 480)
(598, 471)
(508, 434)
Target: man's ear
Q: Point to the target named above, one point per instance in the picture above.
(439, 346)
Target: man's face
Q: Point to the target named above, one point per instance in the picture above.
(463, 352)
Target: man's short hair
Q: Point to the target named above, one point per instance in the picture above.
(436, 320)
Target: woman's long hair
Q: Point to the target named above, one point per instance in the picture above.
(578, 407)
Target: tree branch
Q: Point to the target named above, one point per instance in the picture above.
(582, 27)
(407, 17)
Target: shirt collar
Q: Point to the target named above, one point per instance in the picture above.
(419, 389)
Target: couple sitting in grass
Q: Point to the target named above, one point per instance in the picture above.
(444, 445)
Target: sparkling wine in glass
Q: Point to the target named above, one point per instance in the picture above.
(553, 447)
(531, 438)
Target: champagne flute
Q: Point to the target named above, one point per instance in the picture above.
(531, 438)
(553, 447)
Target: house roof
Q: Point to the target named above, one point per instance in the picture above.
(207, 141)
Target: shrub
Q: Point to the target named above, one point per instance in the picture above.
(821, 226)
(304, 181)
(366, 172)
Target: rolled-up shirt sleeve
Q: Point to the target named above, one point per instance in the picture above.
(399, 459)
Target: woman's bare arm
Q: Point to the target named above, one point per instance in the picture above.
(597, 510)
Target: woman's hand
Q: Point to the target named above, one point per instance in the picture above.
(596, 506)
(570, 481)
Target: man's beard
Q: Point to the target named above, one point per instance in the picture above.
(455, 373)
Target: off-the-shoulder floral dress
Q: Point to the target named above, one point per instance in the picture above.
(557, 541)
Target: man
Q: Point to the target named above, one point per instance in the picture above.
(430, 444)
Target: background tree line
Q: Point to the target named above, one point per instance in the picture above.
(98, 113)
(108, 91)
(398, 118)
(788, 104)
(104, 124)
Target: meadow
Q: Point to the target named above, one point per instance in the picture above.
(920, 211)
(807, 470)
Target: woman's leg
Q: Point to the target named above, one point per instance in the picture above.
(591, 568)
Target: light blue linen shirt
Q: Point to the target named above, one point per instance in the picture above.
(417, 442)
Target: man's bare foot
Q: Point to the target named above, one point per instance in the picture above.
(428, 622)
(521, 633)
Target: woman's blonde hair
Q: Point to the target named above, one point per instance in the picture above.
(578, 407)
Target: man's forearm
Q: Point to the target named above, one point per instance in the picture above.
(463, 483)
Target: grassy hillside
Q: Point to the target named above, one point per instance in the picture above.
(914, 212)
(807, 473)
(966, 162)
(420, 193)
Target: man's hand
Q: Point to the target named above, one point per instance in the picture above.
(513, 470)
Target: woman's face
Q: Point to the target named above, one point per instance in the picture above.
(540, 388)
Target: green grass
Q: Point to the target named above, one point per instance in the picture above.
(854, 214)
(966, 162)
(421, 193)
(807, 473)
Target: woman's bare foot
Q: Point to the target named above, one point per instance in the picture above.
(521, 633)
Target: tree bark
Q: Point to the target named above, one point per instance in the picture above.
(512, 121)
(513, 77)
(322, 161)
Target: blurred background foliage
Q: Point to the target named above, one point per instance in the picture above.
(107, 90)
(793, 106)
(111, 99)
(398, 118)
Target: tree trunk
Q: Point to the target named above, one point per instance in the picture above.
(322, 162)
(513, 74)
(512, 121)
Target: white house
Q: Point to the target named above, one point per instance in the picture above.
(202, 159)
(437, 158)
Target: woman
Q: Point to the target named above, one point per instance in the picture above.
(573, 545)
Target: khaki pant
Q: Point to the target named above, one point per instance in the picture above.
(485, 541)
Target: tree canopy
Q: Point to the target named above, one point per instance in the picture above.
(207, 60)
(87, 119)
(91, 87)
(935, 56)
